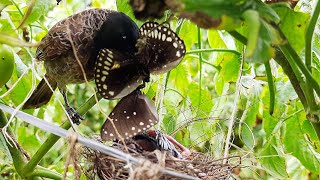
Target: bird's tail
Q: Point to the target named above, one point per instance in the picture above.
(41, 95)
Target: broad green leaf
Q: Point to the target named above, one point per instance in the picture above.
(179, 78)
(19, 93)
(269, 123)
(189, 34)
(215, 40)
(201, 101)
(230, 67)
(4, 4)
(219, 84)
(28, 140)
(296, 144)
(273, 161)
(293, 24)
(249, 121)
(36, 9)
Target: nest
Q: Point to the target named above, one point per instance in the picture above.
(198, 165)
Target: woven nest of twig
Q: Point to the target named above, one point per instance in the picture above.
(199, 165)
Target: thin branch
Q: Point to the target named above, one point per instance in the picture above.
(234, 111)
(271, 87)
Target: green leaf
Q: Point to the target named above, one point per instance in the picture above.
(215, 40)
(35, 11)
(273, 161)
(4, 4)
(201, 101)
(296, 144)
(249, 120)
(293, 24)
(179, 78)
(230, 67)
(189, 34)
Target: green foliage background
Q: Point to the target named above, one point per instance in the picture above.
(219, 80)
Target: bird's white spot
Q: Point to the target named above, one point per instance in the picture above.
(145, 31)
(112, 114)
(103, 50)
(148, 126)
(169, 39)
(98, 75)
(180, 42)
(169, 32)
(97, 80)
(134, 134)
(128, 117)
(103, 93)
(159, 35)
(141, 123)
(133, 128)
(144, 129)
(165, 29)
(106, 67)
(109, 52)
(139, 130)
(103, 78)
(110, 55)
(111, 93)
(105, 132)
(115, 119)
(178, 54)
(100, 58)
(99, 64)
(98, 70)
(124, 111)
(148, 24)
(99, 84)
(150, 120)
(126, 134)
(111, 134)
(102, 54)
(105, 87)
(134, 113)
(175, 45)
(151, 124)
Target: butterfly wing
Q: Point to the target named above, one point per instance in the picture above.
(114, 80)
(133, 114)
(159, 48)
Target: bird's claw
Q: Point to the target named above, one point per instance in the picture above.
(74, 115)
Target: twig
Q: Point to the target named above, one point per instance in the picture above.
(234, 111)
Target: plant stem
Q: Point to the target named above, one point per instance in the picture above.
(42, 172)
(271, 87)
(52, 139)
(213, 50)
(200, 64)
(309, 35)
(18, 158)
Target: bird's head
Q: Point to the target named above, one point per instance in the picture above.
(118, 32)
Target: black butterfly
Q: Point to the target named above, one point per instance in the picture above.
(118, 73)
(133, 114)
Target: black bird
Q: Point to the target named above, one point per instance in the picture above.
(80, 36)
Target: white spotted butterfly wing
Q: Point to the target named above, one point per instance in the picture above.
(133, 114)
(114, 81)
(159, 48)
